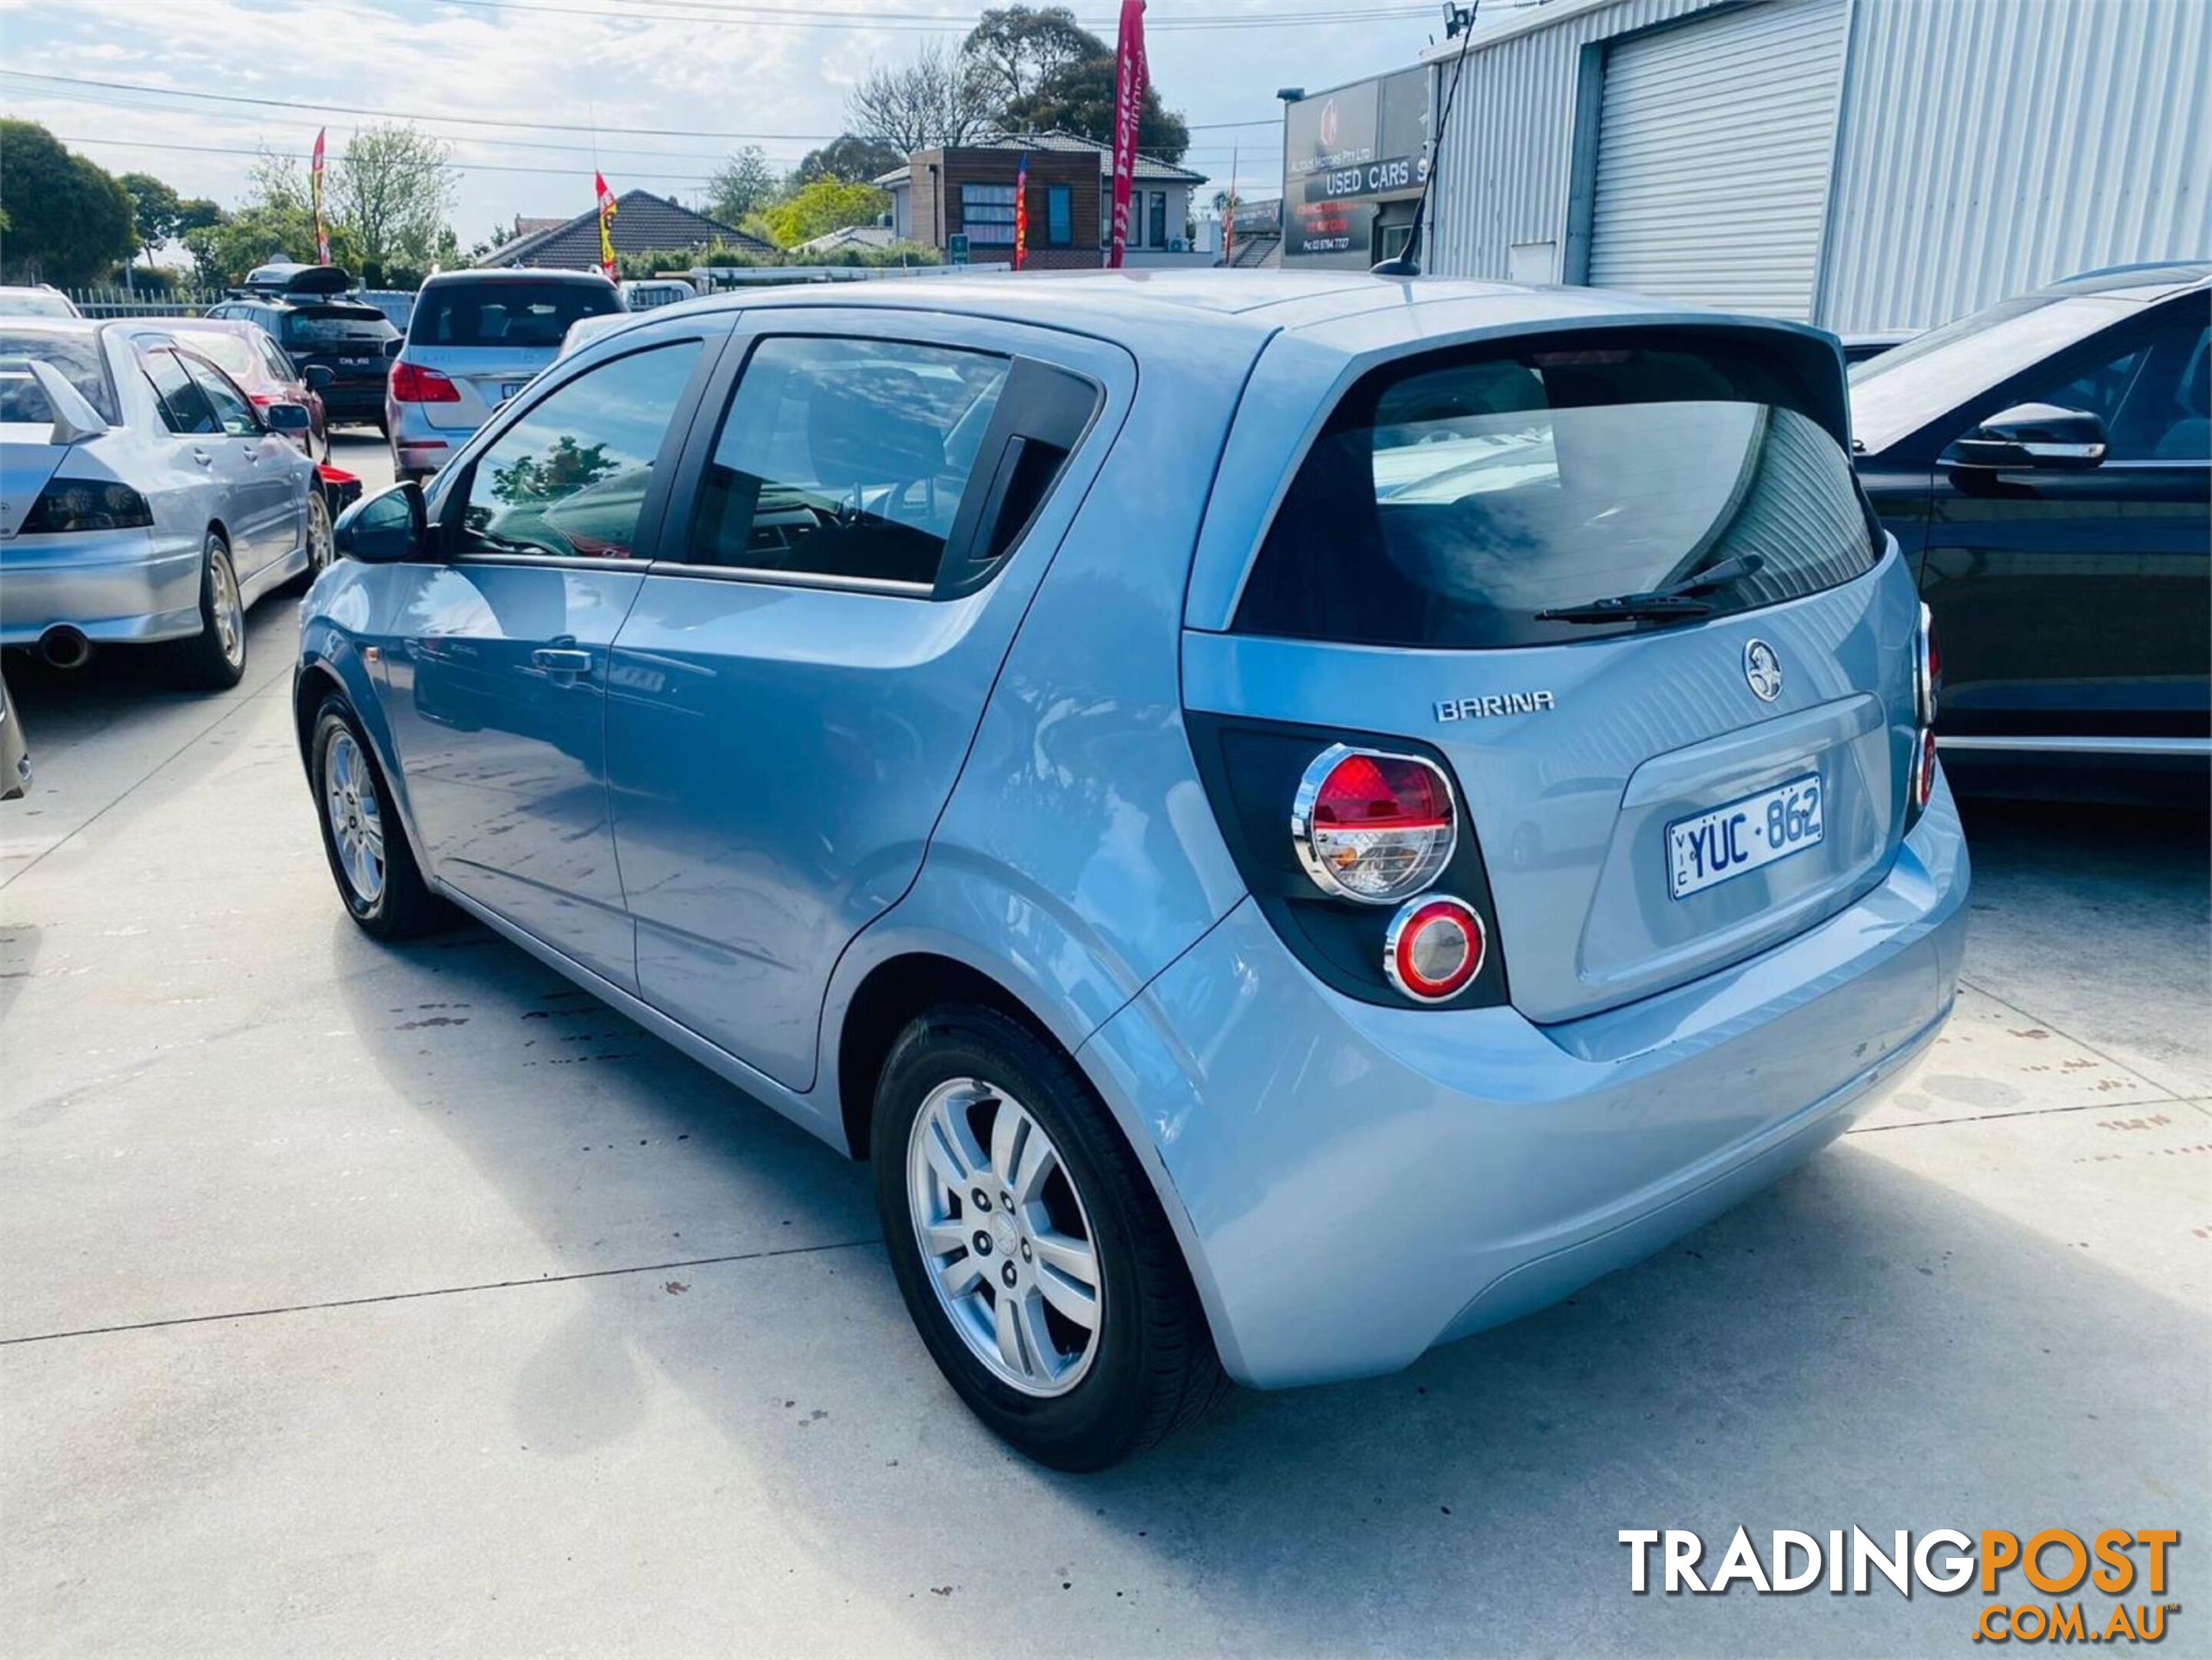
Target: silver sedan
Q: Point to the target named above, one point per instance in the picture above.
(143, 499)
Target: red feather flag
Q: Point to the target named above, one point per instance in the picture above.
(1129, 78)
(1022, 212)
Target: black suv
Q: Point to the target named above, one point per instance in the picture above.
(305, 310)
(2045, 464)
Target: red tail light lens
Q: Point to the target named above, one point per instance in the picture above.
(1434, 948)
(1372, 827)
(1923, 771)
(413, 384)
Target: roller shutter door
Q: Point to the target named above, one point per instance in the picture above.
(1715, 141)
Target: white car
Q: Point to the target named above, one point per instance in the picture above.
(37, 299)
(143, 498)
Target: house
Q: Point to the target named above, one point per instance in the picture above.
(865, 238)
(643, 222)
(968, 190)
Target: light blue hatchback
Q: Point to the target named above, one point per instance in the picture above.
(1293, 818)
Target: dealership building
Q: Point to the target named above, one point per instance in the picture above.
(1862, 164)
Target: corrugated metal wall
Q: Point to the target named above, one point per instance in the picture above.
(1985, 146)
(1990, 146)
(1502, 177)
(1715, 142)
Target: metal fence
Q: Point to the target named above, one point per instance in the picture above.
(112, 301)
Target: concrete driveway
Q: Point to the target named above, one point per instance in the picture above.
(369, 1301)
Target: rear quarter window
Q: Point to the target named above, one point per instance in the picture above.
(1451, 499)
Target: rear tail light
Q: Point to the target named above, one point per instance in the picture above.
(1927, 693)
(1379, 891)
(85, 504)
(413, 384)
(1926, 669)
(1923, 770)
(1434, 948)
(1373, 827)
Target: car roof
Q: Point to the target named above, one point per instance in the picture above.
(510, 274)
(1348, 309)
(2150, 280)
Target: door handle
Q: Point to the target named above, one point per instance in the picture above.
(204, 458)
(558, 660)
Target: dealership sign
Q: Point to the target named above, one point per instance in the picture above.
(1345, 150)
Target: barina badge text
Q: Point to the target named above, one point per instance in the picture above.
(1482, 709)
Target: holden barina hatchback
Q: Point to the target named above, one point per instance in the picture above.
(1293, 818)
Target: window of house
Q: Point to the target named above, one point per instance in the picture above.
(845, 457)
(1060, 216)
(570, 477)
(1157, 232)
(987, 213)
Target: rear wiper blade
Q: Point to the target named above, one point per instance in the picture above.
(1628, 608)
(1677, 599)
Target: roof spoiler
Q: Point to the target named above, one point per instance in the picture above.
(75, 420)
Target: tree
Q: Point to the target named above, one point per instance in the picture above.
(392, 190)
(68, 218)
(855, 161)
(937, 100)
(275, 221)
(154, 210)
(825, 205)
(744, 185)
(1016, 49)
(1078, 98)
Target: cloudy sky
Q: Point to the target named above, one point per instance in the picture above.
(709, 75)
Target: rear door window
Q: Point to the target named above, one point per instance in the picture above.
(183, 409)
(517, 313)
(1450, 500)
(846, 457)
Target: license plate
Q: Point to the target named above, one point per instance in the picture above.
(508, 388)
(1744, 836)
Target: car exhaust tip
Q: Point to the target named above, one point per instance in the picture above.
(66, 648)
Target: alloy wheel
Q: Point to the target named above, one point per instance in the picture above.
(1005, 1239)
(319, 541)
(356, 819)
(229, 614)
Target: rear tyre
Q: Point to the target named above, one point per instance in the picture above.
(378, 881)
(214, 660)
(1065, 1319)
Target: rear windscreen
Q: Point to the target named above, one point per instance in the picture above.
(1451, 499)
(519, 313)
(76, 355)
(337, 324)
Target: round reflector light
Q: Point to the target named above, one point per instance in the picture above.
(1373, 827)
(1433, 949)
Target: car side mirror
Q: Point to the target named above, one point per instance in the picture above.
(320, 377)
(288, 418)
(386, 529)
(2033, 435)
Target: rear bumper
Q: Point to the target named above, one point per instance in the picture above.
(418, 446)
(362, 402)
(1359, 1183)
(117, 586)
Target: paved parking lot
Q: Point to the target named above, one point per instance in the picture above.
(361, 1300)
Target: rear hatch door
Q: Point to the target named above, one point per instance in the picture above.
(351, 341)
(1654, 796)
(490, 337)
